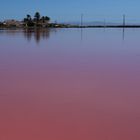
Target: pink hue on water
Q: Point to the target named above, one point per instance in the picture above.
(69, 84)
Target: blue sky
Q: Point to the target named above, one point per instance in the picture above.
(70, 10)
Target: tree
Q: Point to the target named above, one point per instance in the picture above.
(37, 16)
(29, 18)
(1, 24)
(47, 18)
(43, 19)
(37, 21)
(28, 21)
(25, 19)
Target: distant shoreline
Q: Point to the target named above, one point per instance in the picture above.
(76, 26)
(43, 22)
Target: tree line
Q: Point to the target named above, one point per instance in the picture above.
(37, 20)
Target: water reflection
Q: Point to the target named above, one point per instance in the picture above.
(81, 34)
(123, 34)
(10, 32)
(37, 34)
(69, 90)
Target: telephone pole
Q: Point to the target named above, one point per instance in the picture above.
(104, 23)
(124, 21)
(82, 20)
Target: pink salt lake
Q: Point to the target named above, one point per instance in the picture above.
(70, 84)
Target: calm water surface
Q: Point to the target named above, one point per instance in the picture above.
(70, 84)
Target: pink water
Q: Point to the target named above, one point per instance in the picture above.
(69, 84)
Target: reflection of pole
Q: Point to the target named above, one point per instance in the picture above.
(123, 20)
(81, 34)
(81, 20)
(124, 24)
(123, 34)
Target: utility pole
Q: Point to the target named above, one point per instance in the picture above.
(123, 20)
(104, 23)
(82, 20)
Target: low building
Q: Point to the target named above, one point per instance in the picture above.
(12, 23)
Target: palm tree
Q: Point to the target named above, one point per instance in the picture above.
(29, 18)
(37, 16)
(47, 18)
(28, 21)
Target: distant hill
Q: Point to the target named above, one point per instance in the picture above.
(100, 23)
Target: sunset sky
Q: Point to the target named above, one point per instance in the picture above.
(70, 10)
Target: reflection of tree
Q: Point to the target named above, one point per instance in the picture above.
(37, 33)
(10, 32)
(28, 34)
